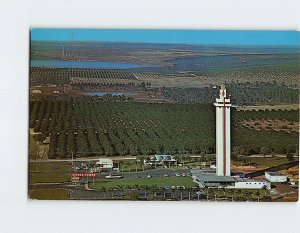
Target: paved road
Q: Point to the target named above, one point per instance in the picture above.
(159, 172)
(272, 169)
(144, 174)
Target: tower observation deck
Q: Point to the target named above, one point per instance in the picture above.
(223, 143)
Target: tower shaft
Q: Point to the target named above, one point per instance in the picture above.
(223, 142)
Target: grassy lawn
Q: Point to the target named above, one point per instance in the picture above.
(159, 181)
(49, 194)
(49, 167)
(48, 178)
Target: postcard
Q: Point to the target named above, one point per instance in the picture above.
(164, 115)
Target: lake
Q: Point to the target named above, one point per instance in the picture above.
(82, 64)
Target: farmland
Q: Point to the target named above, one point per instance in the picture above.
(287, 75)
(61, 76)
(89, 126)
(166, 73)
(180, 88)
(161, 64)
(242, 93)
(270, 138)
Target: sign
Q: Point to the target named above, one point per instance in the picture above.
(75, 179)
(83, 174)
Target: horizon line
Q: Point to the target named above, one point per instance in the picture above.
(164, 43)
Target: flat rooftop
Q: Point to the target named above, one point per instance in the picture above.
(209, 176)
(274, 174)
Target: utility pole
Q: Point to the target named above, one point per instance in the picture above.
(72, 161)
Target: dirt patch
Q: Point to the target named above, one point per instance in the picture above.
(276, 125)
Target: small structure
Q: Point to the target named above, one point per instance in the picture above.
(275, 177)
(105, 164)
(36, 91)
(162, 160)
(252, 184)
(75, 179)
(209, 178)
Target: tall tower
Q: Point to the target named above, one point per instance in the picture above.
(223, 133)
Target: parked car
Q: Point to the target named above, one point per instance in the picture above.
(201, 193)
(113, 177)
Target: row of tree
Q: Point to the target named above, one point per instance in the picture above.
(244, 93)
(92, 126)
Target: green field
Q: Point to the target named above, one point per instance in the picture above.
(49, 167)
(159, 182)
(49, 194)
(48, 178)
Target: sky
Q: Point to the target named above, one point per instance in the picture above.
(213, 37)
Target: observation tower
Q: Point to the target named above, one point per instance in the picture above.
(223, 143)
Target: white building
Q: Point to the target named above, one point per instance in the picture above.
(36, 91)
(275, 177)
(223, 133)
(161, 159)
(252, 184)
(105, 163)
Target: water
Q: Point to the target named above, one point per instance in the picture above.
(100, 93)
(82, 64)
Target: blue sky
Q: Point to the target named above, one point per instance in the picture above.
(215, 37)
